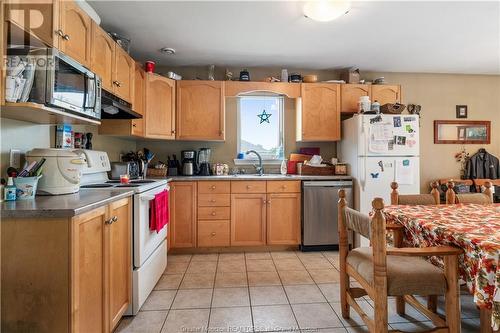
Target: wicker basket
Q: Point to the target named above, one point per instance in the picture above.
(308, 170)
(390, 108)
(157, 173)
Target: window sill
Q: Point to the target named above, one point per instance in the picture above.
(252, 162)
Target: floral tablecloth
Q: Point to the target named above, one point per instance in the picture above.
(474, 228)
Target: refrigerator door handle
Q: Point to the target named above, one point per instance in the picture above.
(363, 174)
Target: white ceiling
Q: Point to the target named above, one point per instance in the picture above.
(434, 37)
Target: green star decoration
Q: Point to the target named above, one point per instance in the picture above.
(264, 117)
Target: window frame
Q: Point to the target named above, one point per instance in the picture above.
(281, 112)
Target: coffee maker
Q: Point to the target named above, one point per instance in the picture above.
(204, 168)
(188, 162)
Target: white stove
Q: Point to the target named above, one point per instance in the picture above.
(149, 250)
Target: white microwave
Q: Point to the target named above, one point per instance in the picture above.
(62, 82)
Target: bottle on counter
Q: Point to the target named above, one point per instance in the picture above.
(10, 190)
(283, 168)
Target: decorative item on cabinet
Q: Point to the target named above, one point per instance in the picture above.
(244, 75)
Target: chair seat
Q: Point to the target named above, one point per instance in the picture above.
(405, 275)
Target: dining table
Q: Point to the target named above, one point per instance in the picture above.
(474, 228)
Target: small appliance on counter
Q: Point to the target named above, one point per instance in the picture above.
(204, 155)
(62, 170)
(130, 168)
(188, 162)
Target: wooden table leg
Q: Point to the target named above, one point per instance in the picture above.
(485, 320)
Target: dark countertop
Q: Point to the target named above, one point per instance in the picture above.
(256, 177)
(58, 206)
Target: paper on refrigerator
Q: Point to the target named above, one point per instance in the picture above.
(404, 172)
(380, 135)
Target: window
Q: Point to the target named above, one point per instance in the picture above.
(260, 126)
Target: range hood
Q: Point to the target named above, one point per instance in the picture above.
(113, 107)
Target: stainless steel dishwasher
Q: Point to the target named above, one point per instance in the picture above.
(320, 213)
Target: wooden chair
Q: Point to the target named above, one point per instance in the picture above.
(477, 198)
(384, 272)
(397, 230)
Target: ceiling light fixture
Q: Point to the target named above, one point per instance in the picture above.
(167, 50)
(326, 10)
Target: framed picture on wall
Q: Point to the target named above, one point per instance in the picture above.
(461, 111)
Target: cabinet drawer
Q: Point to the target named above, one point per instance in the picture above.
(205, 187)
(286, 186)
(248, 186)
(210, 200)
(213, 233)
(214, 213)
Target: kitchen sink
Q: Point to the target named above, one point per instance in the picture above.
(265, 175)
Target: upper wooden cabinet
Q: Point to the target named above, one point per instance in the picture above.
(123, 75)
(102, 56)
(160, 107)
(200, 110)
(39, 18)
(318, 115)
(386, 93)
(182, 226)
(139, 103)
(350, 94)
(75, 32)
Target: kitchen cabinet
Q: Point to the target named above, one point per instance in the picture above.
(75, 32)
(214, 213)
(130, 127)
(200, 110)
(118, 260)
(318, 112)
(283, 218)
(183, 214)
(102, 56)
(350, 94)
(40, 19)
(385, 93)
(123, 75)
(159, 107)
(67, 274)
(101, 267)
(248, 219)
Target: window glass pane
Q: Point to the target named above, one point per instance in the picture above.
(261, 126)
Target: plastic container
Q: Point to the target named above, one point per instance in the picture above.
(26, 187)
(10, 191)
(365, 104)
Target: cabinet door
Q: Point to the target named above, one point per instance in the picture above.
(160, 107)
(283, 218)
(88, 310)
(319, 117)
(39, 18)
(200, 110)
(350, 94)
(76, 30)
(248, 219)
(139, 100)
(118, 260)
(123, 75)
(102, 56)
(183, 214)
(386, 94)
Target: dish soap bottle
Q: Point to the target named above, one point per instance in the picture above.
(283, 168)
(10, 190)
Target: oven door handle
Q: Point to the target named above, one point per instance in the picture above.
(147, 197)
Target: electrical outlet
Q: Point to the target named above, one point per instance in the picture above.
(15, 158)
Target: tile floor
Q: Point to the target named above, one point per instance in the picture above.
(262, 292)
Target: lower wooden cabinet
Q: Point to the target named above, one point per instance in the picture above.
(283, 218)
(183, 206)
(101, 270)
(248, 219)
(213, 233)
(67, 274)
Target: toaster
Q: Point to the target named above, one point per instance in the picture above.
(130, 168)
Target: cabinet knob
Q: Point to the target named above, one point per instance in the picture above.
(212, 200)
(283, 187)
(264, 202)
(173, 132)
(117, 83)
(213, 187)
(249, 187)
(134, 125)
(60, 33)
(66, 37)
(213, 234)
(214, 213)
(111, 220)
(268, 202)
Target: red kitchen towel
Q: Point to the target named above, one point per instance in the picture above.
(158, 216)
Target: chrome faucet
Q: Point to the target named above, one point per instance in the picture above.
(258, 168)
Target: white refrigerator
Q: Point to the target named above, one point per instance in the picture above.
(380, 149)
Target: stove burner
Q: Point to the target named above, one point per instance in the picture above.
(96, 186)
(127, 185)
(142, 181)
(112, 182)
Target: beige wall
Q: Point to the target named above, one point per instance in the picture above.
(438, 94)
(26, 136)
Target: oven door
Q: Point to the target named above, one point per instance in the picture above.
(145, 240)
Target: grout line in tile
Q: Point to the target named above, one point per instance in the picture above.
(213, 292)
